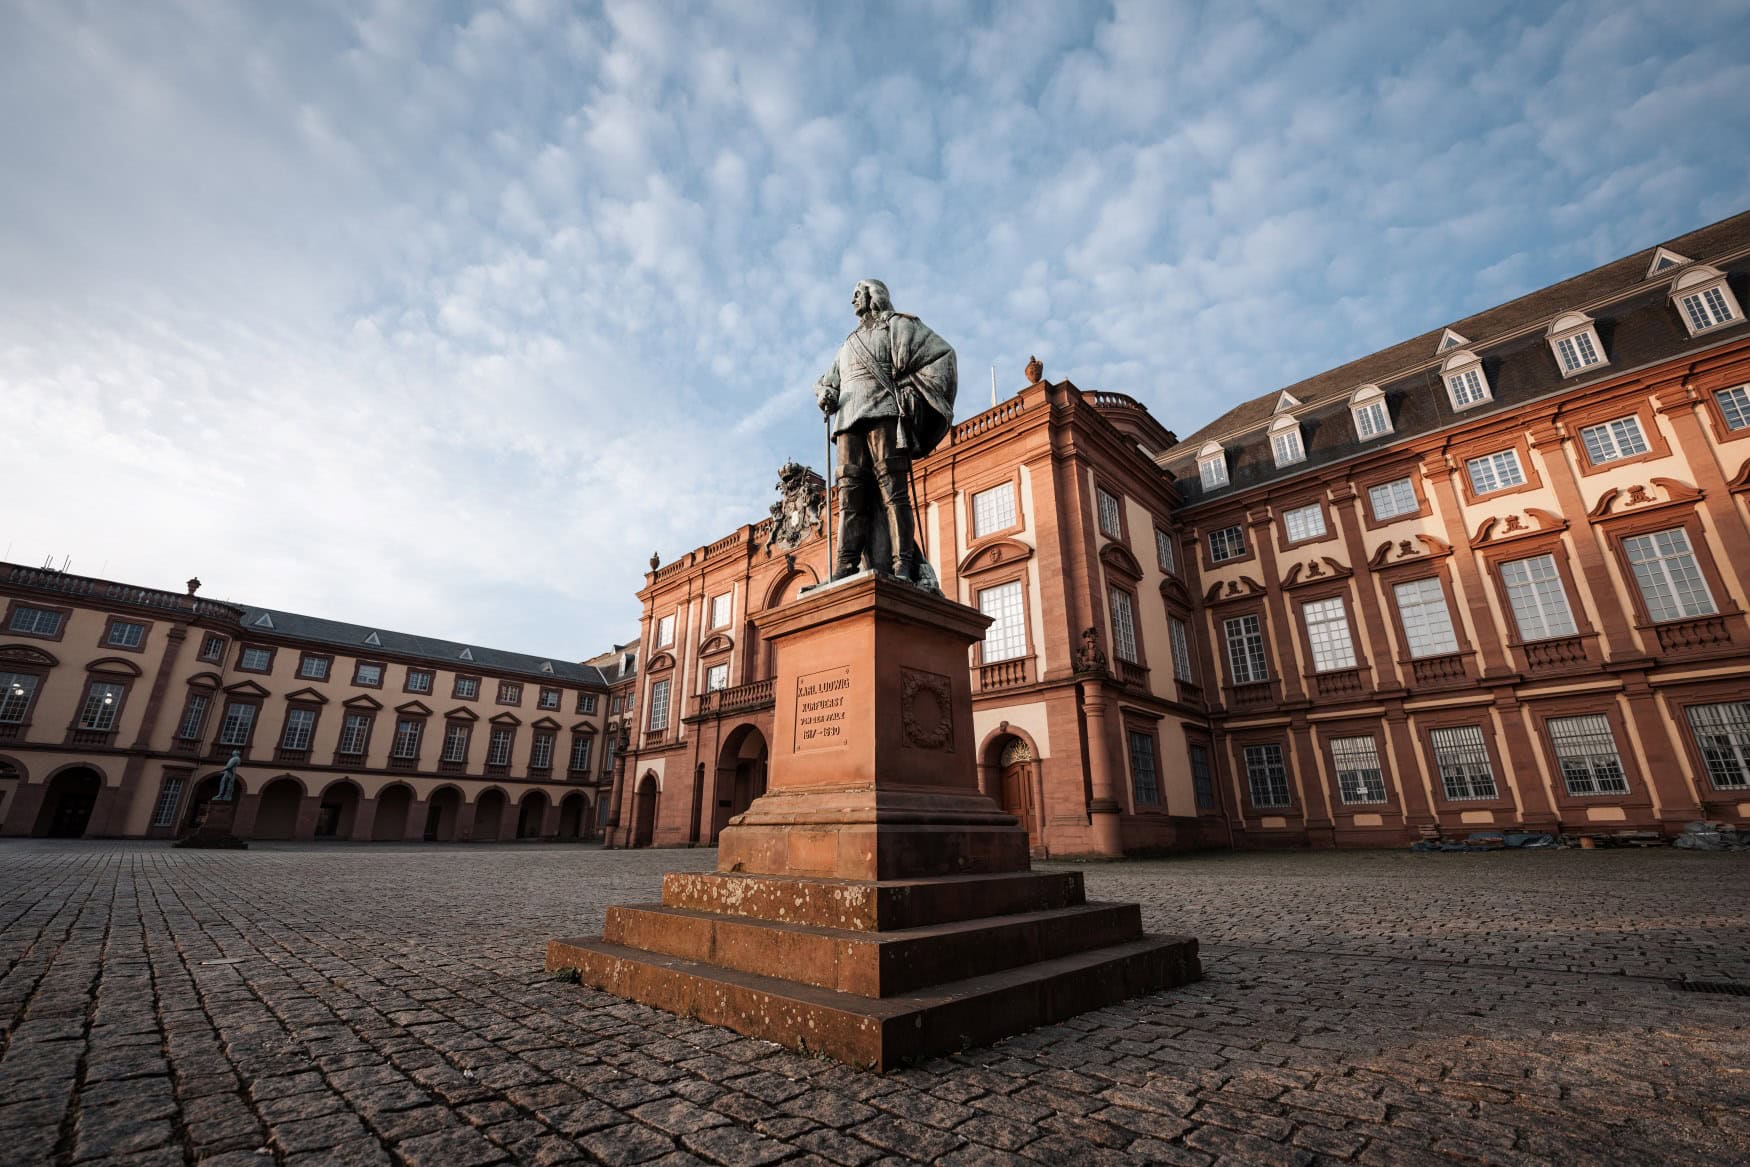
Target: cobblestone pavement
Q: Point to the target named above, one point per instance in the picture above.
(359, 1005)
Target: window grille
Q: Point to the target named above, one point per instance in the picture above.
(1356, 760)
(1006, 638)
(1463, 762)
(1267, 776)
(1586, 751)
(1722, 734)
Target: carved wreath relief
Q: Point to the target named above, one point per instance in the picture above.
(925, 710)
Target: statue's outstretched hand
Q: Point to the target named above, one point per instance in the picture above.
(827, 398)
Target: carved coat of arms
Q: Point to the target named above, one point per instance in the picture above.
(800, 509)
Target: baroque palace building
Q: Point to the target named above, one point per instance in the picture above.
(1494, 576)
(119, 704)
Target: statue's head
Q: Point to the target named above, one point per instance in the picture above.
(871, 296)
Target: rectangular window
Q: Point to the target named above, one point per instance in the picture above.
(1212, 473)
(720, 606)
(1006, 638)
(456, 737)
(354, 732)
(407, 732)
(1287, 448)
(1666, 572)
(1227, 543)
(1307, 522)
(1327, 629)
(1356, 760)
(1371, 420)
(419, 680)
(716, 677)
(548, 699)
(1427, 623)
(194, 717)
(15, 693)
(367, 673)
(1463, 762)
(1495, 471)
(35, 621)
(1123, 626)
(239, 720)
(586, 702)
(1578, 352)
(1707, 309)
(102, 702)
(1610, 440)
(300, 725)
(659, 705)
(1735, 406)
(313, 668)
(212, 648)
(467, 688)
(1202, 778)
(1722, 734)
(510, 693)
(1111, 514)
(993, 510)
(1394, 498)
(1586, 750)
(1180, 637)
(1245, 650)
(1467, 388)
(580, 754)
(541, 752)
(665, 632)
(498, 748)
(168, 796)
(125, 634)
(255, 660)
(1267, 776)
(1540, 605)
(1164, 553)
(1143, 779)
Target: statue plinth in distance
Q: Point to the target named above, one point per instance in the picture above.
(873, 905)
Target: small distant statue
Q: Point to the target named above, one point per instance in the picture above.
(655, 561)
(194, 585)
(1090, 657)
(892, 388)
(798, 510)
(1035, 370)
(228, 779)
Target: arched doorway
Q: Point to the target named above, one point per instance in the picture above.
(277, 815)
(393, 803)
(67, 805)
(644, 812)
(571, 816)
(741, 774)
(442, 812)
(1012, 761)
(531, 815)
(338, 810)
(488, 816)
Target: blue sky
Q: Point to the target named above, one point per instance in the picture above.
(443, 317)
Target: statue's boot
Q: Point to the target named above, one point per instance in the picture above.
(901, 527)
(856, 498)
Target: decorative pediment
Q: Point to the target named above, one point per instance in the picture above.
(715, 643)
(113, 664)
(661, 661)
(583, 727)
(1402, 549)
(545, 723)
(1002, 553)
(461, 713)
(1243, 588)
(1619, 499)
(1118, 558)
(1173, 590)
(308, 695)
(246, 689)
(414, 709)
(24, 654)
(507, 719)
(362, 702)
(207, 680)
(1319, 569)
(1496, 529)
(1741, 480)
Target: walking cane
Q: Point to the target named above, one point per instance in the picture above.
(831, 551)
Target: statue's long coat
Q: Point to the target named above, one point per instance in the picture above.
(924, 371)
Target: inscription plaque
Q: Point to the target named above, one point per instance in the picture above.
(822, 700)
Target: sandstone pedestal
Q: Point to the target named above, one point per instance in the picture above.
(214, 833)
(873, 905)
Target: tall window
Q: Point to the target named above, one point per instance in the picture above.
(1427, 623)
(1202, 777)
(35, 621)
(1463, 762)
(102, 702)
(456, 736)
(1111, 514)
(1006, 638)
(1123, 626)
(659, 704)
(368, 674)
(1394, 498)
(168, 796)
(1666, 572)
(419, 680)
(1540, 605)
(716, 677)
(1245, 649)
(355, 730)
(994, 510)
(125, 634)
(498, 746)
(1143, 778)
(1495, 471)
(407, 733)
(1610, 440)
(1164, 553)
(720, 610)
(580, 754)
(1307, 522)
(1356, 760)
(300, 725)
(1227, 543)
(1586, 751)
(1180, 637)
(1327, 629)
(1722, 733)
(194, 717)
(1267, 776)
(1707, 309)
(16, 690)
(313, 668)
(541, 752)
(239, 720)
(255, 659)
(1735, 406)
(665, 632)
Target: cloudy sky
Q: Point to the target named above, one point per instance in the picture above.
(442, 317)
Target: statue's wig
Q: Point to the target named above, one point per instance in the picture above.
(878, 297)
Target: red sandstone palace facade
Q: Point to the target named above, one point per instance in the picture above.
(1493, 576)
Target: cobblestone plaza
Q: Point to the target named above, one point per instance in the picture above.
(308, 1004)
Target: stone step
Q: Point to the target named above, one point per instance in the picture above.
(865, 905)
(872, 964)
(883, 1033)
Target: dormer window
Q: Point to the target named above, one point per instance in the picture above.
(1574, 340)
(1367, 407)
(1285, 441)
(1212, 466)
(1705, 300)
(1466, 384)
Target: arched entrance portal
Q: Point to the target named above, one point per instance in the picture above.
(67, 805)
(393, 803)
(741, 774)
(644, 812)
(1012, 761)
(442, 811)
(338, 811)
(488, 816)
(277, 815)
(532, 815)
(573, 817)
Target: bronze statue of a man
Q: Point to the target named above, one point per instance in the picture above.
(892, 388)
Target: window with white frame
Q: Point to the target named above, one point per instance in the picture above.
(1722, 734)
(1179, 635)
(1327, 630)
(367, 673)
(1367, 408)
(255, 659)
(1123, 625)
(499, 744)
(300, 724)
(16, 690)
(720, 606)
(1574, 340)
(1267, 776)
(467, 688)
(1735, 406)
(1202, 777)
(580, 754)
(1463, 761)
(239, 720)
(716, 677)
(1495, 471)
(1394, 498)
(510, 692)
(35, 621)
(994, 510)
(168, 796)
(1465, 383)
(586, 702)
(1164, 553)
(1307, 522)
(456, 736)
(1111, 513)
(1539, 602)
(212, 647)
(659, 705)
(419, 680)
(1586, 751)
(1665, 570)
(194, 717)
(102, 702)
(1610, 440)
(407, 734)
(1144, 780)
(541, 752)
(1212, 466)
(355, 730)
(1227, 543)
(1285, 444)
(665, 632)
(1246, 659)
(547, 698)
(125, 634)
(1427, 623)
(1356, 760)
(313, 668)
(1006, 638)
(1704, 300)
